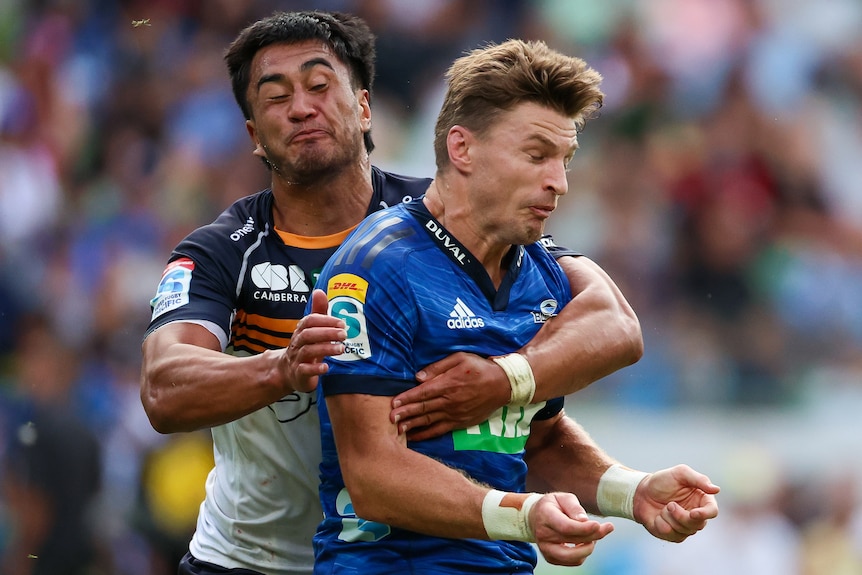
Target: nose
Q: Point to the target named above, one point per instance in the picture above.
(302, 105)
(557, 179)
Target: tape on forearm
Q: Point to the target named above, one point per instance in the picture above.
(616, 492)
(506, 515)
(520, 376)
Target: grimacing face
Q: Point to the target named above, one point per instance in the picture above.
(521, 164)
(307, 121)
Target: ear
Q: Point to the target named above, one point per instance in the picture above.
(252, 133)
(459, 142)
(364, 111)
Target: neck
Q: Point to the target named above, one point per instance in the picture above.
(449, 204)
(325, 206)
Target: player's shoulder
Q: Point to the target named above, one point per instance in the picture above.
(240, 224)
(541, 253)
(381, 237)
(392, 188)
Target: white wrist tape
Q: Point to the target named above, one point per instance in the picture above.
(520, 376)
(616, 493)
(507, 515)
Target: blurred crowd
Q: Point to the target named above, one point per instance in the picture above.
(721, 187)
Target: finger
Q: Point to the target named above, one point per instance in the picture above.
(675, 525)
(316, 320)
(572, 507)
(314, 353)
(314, 335)
(319, 302)
(438, 367)
(676, 517)
(433, 408)
(707, 511)
(568, 554)
(415, 400)
(584, 531)
(699, 480)
(695, 518)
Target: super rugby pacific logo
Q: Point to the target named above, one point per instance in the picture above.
(346, 294)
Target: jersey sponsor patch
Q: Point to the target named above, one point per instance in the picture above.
(506, 431)
(279, 278)
(173, 291)
(346, 293)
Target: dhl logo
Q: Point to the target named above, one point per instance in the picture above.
(347, 285)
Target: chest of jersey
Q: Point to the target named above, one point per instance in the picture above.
(275, 288)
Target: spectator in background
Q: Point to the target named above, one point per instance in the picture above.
(51, 468)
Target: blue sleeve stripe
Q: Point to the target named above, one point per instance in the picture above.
(364, 384)
(382, 243)
(368, 236)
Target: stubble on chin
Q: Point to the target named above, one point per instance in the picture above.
(310, 166)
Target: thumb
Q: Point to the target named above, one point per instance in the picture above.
(319, 302)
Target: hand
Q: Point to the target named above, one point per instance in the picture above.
(565, 535)
(456, 392)
(316, 336)
(673, 504)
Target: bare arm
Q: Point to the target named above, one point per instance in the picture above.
(385, 478)
(594, 335)
(187, 383)
(390, 483)
(561, 456)
(672, 504)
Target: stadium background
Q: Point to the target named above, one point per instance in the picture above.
(721, 187)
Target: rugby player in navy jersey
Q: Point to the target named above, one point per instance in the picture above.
(463, 269)
(229, 348)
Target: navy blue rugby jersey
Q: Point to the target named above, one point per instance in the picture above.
(411, 294)
(249, 280)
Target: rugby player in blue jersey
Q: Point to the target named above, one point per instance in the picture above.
(462, 269)
(228, 347)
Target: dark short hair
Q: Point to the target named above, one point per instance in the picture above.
(349, 37)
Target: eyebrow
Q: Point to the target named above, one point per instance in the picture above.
(277, 77)
(541, 139)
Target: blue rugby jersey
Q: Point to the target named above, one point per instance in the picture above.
(411, 294)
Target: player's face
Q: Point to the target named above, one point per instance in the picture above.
(307, 120)
(520, 171)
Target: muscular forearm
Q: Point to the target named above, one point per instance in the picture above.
(596, 334)
(188, 386)
(392, 484)
(561, 456)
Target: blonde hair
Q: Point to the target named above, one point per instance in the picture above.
(494, 79)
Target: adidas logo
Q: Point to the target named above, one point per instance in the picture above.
(462, 317)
